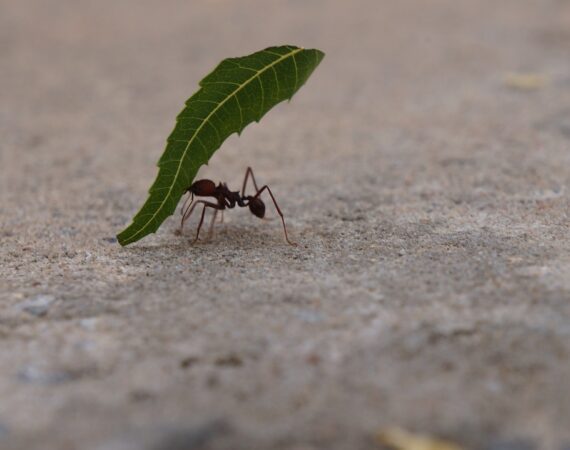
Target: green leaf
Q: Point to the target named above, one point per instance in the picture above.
(238, 92)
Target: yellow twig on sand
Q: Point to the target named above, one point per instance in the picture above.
(526, 81)
(400, 439)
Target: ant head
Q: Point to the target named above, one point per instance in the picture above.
(257, 207)
(203, 188)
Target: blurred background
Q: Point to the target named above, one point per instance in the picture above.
(423, 168)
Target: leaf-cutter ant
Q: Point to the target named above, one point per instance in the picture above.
(226, 199)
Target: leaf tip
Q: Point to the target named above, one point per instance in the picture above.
(121, 239)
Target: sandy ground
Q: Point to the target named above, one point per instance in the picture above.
(424, 169)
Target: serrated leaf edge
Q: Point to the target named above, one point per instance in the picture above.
(206, 119)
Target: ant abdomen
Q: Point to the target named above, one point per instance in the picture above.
(257, 207)
(203, 188)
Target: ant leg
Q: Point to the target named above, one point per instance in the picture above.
(191, 196)
(222, 218)
(206, 205)
(278, 210)
(188, 213)
(184, 210)
(248, 172)
(211, 229)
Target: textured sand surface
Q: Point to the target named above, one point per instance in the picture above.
(424, 169)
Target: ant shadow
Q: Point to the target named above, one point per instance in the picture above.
(226, 237)
(232, 236)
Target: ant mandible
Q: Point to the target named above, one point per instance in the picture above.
(226, 199)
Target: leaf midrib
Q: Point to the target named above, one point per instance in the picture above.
(206, 119)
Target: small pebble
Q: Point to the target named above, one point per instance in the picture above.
(189, 362)
(89, 323)
(140, 395)
(230, 360)
(193, 437)
(309, 316)
(37, 306)
(35, 375)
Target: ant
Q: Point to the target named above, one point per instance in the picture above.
(226, 199)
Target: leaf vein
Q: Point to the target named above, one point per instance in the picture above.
(195, 135)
